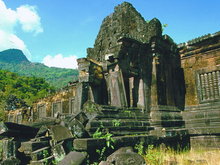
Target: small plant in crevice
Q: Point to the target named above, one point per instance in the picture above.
(45, 155)
(140, 148)
(116, 123)
(57, 159)
(104, 134)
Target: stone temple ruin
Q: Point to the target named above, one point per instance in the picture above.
(135, 84)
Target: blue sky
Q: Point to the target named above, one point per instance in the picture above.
(57, 32)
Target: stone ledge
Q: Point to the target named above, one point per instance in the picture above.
(87, 144)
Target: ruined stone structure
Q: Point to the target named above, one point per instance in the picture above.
(200, 60)
(133, 65)
(135, 84)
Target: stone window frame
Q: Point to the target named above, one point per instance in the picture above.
(62, 108)
(19, 118)
(11, 118)
(55, 102)
(209, 71)
(71, 101)
(41, 105)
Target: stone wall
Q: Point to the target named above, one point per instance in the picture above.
(201, 63)
(61, 102)
(200, 60)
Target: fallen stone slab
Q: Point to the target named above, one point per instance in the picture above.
(60, 133)
(125, 156)
(58, 151)
(74, 158)
(29, 147)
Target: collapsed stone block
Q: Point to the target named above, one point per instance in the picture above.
(74, 158)
(29, 146)
(60, 133)
(125, 156)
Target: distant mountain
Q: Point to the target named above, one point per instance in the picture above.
(13, 56)
(14, 60)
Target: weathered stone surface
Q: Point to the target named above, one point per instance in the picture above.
(11, 161)
(29, 146)
(90, 144)
(77, 129)
(76, 124)
(9, 148)
(44, 122)
(205, 141)
(58, 151)
(60, 133)
(74, 158)
(125, 156)
(42, 161)
(103, 163)
(125, 21)
(200, 61)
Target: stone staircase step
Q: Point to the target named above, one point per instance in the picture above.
(122, 116)
(91, 144)
(125, 133)
(212, 106)
(126, 130)
(117, 123)
(168, 123)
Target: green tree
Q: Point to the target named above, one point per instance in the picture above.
(20, 91)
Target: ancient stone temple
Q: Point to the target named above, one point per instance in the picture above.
(135, 84)
(133, 65)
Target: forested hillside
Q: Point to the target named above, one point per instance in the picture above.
(14, 60)
(20, 91)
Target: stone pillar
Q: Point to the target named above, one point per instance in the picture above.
(141, 98)
(116, 88)
(218, 79)
(203, 87)
(81, 97)
(215, 84)
(154, 88)
(210, 81)
(131, 91)
(207, 86)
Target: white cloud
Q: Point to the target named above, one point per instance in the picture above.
(29, 19)
(24, 15)
(10, 40)
(8, 18)
(60, 61)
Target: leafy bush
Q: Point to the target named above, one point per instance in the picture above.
(19, 91)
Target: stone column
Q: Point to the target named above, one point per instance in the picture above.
(154, 88)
